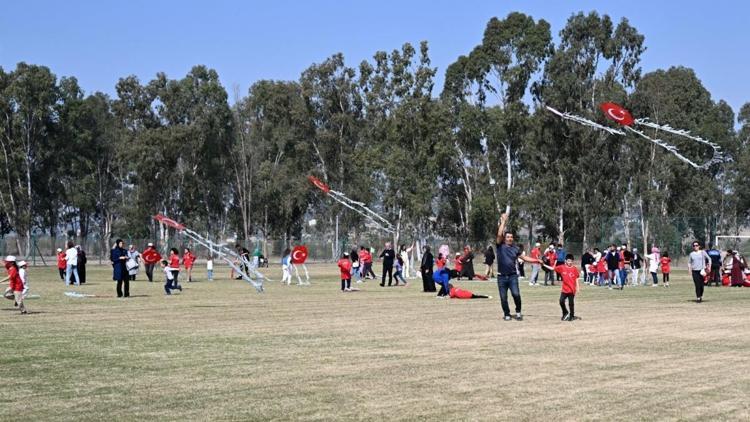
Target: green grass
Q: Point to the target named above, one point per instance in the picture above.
(220, 351)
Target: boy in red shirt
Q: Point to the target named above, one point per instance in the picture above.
(440, 262)
(665, 268)
(456, 293)
(570, 286)
(345, 266)
(61, 264)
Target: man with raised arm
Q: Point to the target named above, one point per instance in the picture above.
(507, 273)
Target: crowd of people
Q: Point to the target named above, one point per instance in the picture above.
(614, 267)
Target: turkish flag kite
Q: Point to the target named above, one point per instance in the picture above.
(317, 182)
(617, 113)
(168, 222)
(299, 254)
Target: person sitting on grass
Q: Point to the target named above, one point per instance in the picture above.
(456, 293)
(570, 286)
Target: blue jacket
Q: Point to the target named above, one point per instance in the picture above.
(119, 272)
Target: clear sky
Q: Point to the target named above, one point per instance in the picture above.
(99, 41)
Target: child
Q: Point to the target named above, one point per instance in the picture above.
(170, 281)
(61, 264)
(355, 265)
(399, 271)
(458, 267)
(174, 265)
(286, 267)
(456, 293)
(22, 273)
(210, 268)
(15, 283)
(570, 286)
(345, 266)
(601, 269)
(440, 262)
(188, 259)
(665, 268)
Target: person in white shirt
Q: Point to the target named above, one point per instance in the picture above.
(653, 265)
(71, 267)
(286, 267)
(22, 273)
(210, 268)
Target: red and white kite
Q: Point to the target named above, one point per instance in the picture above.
(358, 207)
(299, 254)
(168, 222)
(623, 117)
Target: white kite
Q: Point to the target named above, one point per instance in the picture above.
(376, 219)
(625, 119)
(247, 270)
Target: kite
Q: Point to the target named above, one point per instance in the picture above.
(246, 270)
(77, 295)
(623, 117)
(299, 256)
(358, 207)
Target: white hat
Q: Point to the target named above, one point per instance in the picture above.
(10, 258)
(150, 244)
(59, 250)
(537, 244)
(21, 263)
(346, 253)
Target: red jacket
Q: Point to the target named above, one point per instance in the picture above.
(459, 265)
(174, 262)
(345, 265)
(188, 259)
(457, 293)
(368, 257)
(61, 264)
(151, 256)
(16, 284)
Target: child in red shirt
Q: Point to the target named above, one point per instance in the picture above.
(174, 266)
(61, 264)
(456, 293)
(15, 283)
(665, 268)
(440, 262)
(570, 286)
(345, 266)
(188, 259)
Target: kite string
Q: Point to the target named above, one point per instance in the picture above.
(346, 204)
(346, 198)
(584, 121)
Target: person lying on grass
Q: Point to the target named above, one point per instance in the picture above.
(456, 293)
(570, 286)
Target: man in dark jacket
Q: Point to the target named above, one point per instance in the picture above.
(428, 285)
(388, 256)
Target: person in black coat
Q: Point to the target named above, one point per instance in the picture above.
(81, 264)
(388, 256)
(119, 256)
(467, 259)
(425, 268)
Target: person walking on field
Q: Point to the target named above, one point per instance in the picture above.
(151, 257)
(715, 256)
(134, 262)
(698, 265)
(550, 256)
(489, 261)
(188, 260)
(119, 256)
(636, 263)
(61, 264)
(388, 255)
(507, 272)
(71, 260)
(570, 287)
(425, 268)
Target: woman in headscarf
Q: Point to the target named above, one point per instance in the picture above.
(119, 256)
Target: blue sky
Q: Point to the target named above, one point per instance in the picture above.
(101, 41)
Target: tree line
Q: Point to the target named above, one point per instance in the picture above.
(434, 163)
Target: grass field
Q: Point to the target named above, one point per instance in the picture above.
(219, 351)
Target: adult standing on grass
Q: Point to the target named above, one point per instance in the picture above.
(151, 257)
(507, 272)
(698, 264)
(467, 260)
(119, 256)
(81, 264)
(388, 255)
(715, 256)
(133, 262)
(71, 260)
(489, 261)
(425, 268)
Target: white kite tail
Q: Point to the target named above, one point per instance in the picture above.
(584, 121)
(307, 275)
(362, 210)
(228, 256)
(717, 157)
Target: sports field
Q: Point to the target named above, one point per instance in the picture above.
(220, 351)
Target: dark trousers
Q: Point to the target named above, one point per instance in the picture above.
(82, 273)
(175, 281)
(427, 284)
(387, 269)
(168, 287)
(131, 277)
(62, 273)
(150, 271)
(368, 270)
(444, 290)
(665, 278)
(505, 282)
(571, 302)
(698, 281)
(126, 292)
(655, 278)
(715, 277)
(521, 272)
(346, 284)
(549, 276)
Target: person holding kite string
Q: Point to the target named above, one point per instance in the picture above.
(507, 272)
